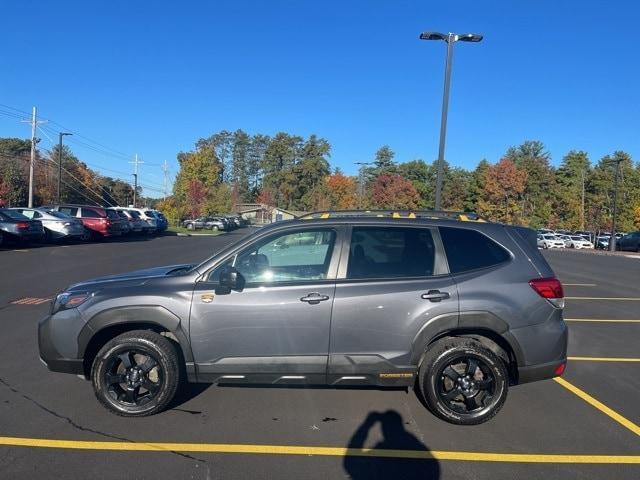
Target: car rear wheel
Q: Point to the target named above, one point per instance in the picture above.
(214, 228)
(462, 381)
(86, 235)
(136, 374)
(190, 226)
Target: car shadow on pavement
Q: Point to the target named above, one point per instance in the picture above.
(395, 437)
(187, 392)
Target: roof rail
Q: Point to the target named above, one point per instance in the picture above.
(432, 214)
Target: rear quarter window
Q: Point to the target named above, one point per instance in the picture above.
(470, 250)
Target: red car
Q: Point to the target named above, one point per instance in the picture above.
(98, 222)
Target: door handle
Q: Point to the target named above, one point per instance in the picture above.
(434, 295)
(314, 298)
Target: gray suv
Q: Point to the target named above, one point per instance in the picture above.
(459, 310)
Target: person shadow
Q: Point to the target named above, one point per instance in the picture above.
(395, 437)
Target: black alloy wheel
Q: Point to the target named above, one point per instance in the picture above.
(462, 381)
(136, 373)
(466, 385)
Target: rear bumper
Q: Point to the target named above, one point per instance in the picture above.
(543, 348)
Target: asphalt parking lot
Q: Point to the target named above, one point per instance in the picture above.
(585, 426)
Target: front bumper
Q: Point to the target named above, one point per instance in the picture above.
(50, 347)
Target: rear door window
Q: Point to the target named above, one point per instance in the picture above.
(113, 214)
(390, 252)
(469, 250)
(90, 213)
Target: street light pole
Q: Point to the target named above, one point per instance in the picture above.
(60, 135)
(450, 38)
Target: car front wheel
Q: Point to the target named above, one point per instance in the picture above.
(462, 381)
(136, 374)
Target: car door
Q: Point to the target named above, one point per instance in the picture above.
(392, 288)
(276, 329)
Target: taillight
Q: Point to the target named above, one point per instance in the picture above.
(560, 369)
(549, 288)
(22, 224)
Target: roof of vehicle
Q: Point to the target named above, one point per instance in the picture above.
(389, 217)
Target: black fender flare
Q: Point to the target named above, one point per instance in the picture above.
(139, 314)
(464, 323)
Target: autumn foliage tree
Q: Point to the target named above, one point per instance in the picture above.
(391, 191)
(503, 186)
(342, 191)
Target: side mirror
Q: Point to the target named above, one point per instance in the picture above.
(230, 279)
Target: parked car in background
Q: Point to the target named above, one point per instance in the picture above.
(17, 227)
(550, 241)
(162, 222)
(99, 222)
(602, 242)
(57, 225)
(630, 242)
(195, 223)
(131, 218)
(148, 217)
(577, 241)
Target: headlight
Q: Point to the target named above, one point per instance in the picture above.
(68, 300)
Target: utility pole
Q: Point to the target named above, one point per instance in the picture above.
(34, 141)
(60, 135)
(612, 240)
(135, 163)
(165, 170)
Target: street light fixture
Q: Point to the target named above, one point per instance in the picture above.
(450, 38)
(60, 135)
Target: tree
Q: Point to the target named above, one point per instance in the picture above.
(636, 217)
(476, 186)
(455, 185)
(240, 172)
(532, 158)
(282, 153)
(422, 176)
(504, 182)
(311, 171)
(571, 177)
(391, 191)
(341, 191)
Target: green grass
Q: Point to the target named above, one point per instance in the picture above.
(193, 232)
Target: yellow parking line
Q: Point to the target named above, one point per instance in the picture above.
(599, 405)
(319, 451)
(630, 299)
(603, 359)
(600, 320)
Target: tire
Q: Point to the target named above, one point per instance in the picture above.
(48, 237)
(214, 228)
(471, 400)
(86, 236)
(190, 226)
(153, 366)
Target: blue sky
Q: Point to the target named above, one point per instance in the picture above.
(153, 77)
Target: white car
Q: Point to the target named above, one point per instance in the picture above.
(549, 241)
(148, 217)
(577, 241)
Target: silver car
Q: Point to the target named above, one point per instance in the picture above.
(57, 225)
(461, 310)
